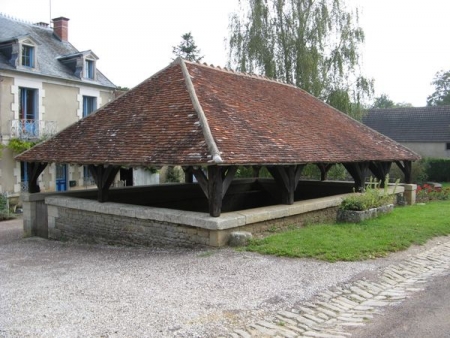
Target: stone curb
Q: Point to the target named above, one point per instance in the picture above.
(331, 314)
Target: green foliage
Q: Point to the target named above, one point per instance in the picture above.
(18, 146)
(173, 175)
(151, 169)
(441, 95)
(383, 102)
(337, 172)
(372, 197)
(366, 240)
(438, 169)
(311, 171)
(4, 208)
(314, 45)
(248, 172)
(187, 49)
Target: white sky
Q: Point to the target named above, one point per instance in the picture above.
(406, 40)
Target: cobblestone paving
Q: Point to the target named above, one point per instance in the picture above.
(332, 314)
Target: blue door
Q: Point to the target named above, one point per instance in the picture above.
(61, 177)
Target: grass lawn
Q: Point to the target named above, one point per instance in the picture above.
(352, 242)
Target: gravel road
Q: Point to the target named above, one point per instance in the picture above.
(70, 289)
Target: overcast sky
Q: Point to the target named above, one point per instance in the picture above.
(406, 40)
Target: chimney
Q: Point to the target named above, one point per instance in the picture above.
(61, 28)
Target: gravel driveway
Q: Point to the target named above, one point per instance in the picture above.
(56, 289)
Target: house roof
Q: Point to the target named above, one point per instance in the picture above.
(49, 49)
(412, 124)
(194, 114)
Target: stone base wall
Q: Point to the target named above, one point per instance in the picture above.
(93, 227)
(64, 216)
(65, 223)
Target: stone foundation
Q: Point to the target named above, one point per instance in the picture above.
(71, 215)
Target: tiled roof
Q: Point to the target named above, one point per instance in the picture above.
(418, 124)
(193, 114)
(49, 47)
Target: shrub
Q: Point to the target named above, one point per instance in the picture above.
(438, 169)
(4, 207)
(371, 198)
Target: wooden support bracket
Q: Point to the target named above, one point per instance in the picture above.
(34, 169)
(358, 170)
(287, 178)
(215, 186)
(380, 170)
(103, 177)
(406, 168)
(324, 169)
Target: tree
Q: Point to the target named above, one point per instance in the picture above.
(311, 44)
(383, 102)
(187, 49)
(441, 95)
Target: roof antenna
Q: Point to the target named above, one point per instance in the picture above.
(50, 11)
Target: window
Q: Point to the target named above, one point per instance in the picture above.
(448, 146)
(28, 112)
(27, 106)
(27, 56)
(89, 69)
(89, 105)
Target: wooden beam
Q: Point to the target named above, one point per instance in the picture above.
(324, 169)
(34, 169)
(406, 168)
(380, 170)
(358, 171)
(201, 179)
(103, 177)
(215, 186)
(287, 178)
(188, 174)
(215, 190)
(256, 170)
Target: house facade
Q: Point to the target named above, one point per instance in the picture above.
(426, 130)
(46, 84)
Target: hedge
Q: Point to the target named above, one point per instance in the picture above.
(438, 169)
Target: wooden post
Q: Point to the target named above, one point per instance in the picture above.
(215, 186)
(188, 175)
(103, 177)
(34, 169)
(287, 178)
(358, 172)
(380, 170)
(324, 169)
(215, 190)
(406, 168)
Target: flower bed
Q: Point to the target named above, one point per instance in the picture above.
(432, 192)
(354, 216)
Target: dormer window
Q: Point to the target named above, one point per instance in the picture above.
(89, 69)
(28, 56)
(21, 53)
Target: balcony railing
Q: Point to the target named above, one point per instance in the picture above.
(32, 129)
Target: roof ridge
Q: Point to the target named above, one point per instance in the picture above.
(212, 146)
(251, 75)
(39, 24)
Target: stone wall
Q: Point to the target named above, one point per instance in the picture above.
(118, 223)
(94, 227)
(75, 215)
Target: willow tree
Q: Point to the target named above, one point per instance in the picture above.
(313, 44)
